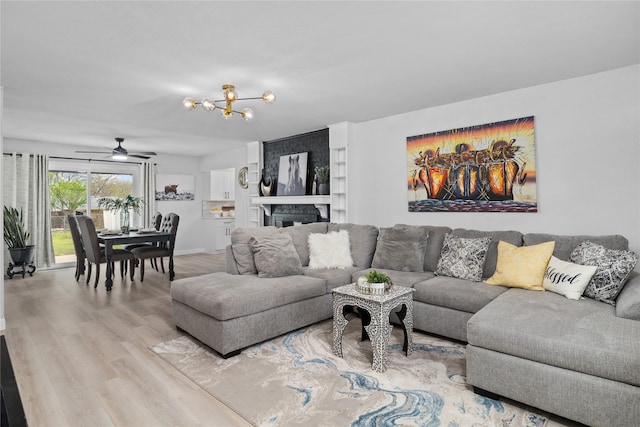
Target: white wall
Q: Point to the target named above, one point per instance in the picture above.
(587, 136)
(189, 238)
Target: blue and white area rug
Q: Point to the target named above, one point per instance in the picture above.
(296, 380)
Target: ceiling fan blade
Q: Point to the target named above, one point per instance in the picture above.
(139, 157)
(95, 152)
(146, 153)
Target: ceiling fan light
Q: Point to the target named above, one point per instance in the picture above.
(208, 104)
(269, 97)
(119, 156)
(247, 114)
(189, 103)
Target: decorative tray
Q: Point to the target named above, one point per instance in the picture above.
(147, 230)
(111, 232)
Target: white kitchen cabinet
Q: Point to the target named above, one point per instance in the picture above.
(223, 233)
(222, 184)
(217, 233)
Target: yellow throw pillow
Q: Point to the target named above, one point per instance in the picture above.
(521, 266)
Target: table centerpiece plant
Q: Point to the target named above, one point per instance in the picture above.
(124, 205)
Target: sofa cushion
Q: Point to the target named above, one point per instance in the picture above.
(548, 328)
(513, 237)
(521, 267)
(330, 250)
(275, 256)
(242, 252)
(566, 244)
(463, 258)
(333, 277)
(457, 294)
(401, 249)
(363, 240)
(227, 296)
(566, 278)
(612, 269)
(628, 301)
(398, 278)
(435, 239)
(300, 236)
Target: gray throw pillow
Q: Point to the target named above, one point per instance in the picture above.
(463, 258)
(614, 267)
(242, 252)
(401, 249)
(275, 256)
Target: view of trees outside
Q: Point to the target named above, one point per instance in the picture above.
(68, 194)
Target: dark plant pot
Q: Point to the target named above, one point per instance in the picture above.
(22, 256)
(323, 189)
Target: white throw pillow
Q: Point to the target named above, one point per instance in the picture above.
(566, 278)
(330, 250)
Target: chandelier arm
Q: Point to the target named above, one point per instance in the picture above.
(246, 99)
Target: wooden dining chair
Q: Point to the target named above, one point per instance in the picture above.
(77, 245)
(169, 225)
(96, 256)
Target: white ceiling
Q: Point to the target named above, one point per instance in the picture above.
(86, 72)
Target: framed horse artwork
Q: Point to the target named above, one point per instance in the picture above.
(292, 175)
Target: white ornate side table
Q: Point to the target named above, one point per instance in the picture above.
(374, 311)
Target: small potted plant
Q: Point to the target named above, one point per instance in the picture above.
(124, 205)
(374, 282)
(322, 177)
(15, 237)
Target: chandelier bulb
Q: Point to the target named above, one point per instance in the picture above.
(208, 104)
(269, 97)
(189, 103)
(247, 114)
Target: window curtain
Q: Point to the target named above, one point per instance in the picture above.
(148, 193)
(25, 181)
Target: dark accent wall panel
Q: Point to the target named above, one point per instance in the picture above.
(317, 145)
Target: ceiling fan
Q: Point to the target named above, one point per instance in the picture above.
(121, 153)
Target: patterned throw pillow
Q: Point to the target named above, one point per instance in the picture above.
(566, 278)
(613, 269)
(463, 257)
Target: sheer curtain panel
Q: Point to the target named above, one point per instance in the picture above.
(25, 181)
(148, 193)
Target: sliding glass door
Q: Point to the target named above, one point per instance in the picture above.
(76, 187)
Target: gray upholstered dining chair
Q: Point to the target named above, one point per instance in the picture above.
(155, 221)
(169, 225)
(96, 256)
(77, 245)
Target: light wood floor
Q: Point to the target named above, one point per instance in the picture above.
(81, 355)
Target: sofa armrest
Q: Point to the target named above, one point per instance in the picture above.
(628, 301)
(231, 265)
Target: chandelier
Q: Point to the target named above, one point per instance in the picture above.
(230, 96)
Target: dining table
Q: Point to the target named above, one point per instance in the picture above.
(111, 240)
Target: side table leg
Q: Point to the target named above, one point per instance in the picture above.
(339, 323)
(379, 331)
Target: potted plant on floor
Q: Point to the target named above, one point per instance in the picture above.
(322, 177)
(15, 237)
(124, 205)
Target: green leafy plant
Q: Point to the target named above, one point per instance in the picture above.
(375, 276)
(126, 203)
(322, 173)
(15, 232)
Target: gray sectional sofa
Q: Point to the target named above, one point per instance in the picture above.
(578, 359)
